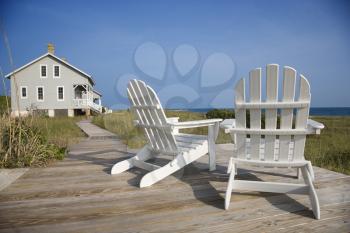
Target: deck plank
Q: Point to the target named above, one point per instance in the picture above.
(78, 195)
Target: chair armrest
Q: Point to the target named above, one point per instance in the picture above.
(228, 124)
(314, 127)
(194, 124)
(172, 119)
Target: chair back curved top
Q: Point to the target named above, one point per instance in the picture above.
(150, 115)
(282, 137)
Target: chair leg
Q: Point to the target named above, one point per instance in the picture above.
(311, 171)
(299, 175)
(211, 145)
(312, 193)
(229, 167)
(143, 154)
(179, 162)
(230, 186)
(230, 162)
(157, 175)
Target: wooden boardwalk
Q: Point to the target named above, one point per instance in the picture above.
(79, 195)
(93, 131)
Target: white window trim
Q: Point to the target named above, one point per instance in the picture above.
(37, 93)
(41, 65)
(58, 94)
(53, 71)
(26, 87)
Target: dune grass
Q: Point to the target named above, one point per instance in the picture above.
(330, 150)
(5, 104)
(35, 141)
(61, 131)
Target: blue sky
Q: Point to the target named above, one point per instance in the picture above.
(101, 38)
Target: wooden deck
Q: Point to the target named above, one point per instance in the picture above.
(79, 195)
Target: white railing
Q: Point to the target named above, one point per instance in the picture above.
(87, 103)
(97, 107)
(80, 103)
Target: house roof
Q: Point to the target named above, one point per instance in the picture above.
(57, 58)
(98, 93)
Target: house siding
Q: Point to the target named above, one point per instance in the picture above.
(31, 78)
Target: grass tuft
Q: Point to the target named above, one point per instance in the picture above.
(35, 141)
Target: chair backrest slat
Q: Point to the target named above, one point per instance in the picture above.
(166, 133)
(255, 114)
(289, 75)
(301, 119)
(240, 115)
(134, 97)
(149, 112)
(285, 143)
(271, 114)
(153, 120)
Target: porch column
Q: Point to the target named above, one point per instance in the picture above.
(71, 112)
(51, 112)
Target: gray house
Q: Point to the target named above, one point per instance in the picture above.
(52, 86)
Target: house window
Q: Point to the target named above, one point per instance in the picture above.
(60, 93)
(40, 93)
(43, 71)
(24, 94)
(56, 71)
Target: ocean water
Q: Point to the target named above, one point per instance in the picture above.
(337, 111)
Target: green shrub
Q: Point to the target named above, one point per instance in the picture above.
(220, 113)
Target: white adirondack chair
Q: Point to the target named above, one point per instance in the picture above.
(163, 137)
(279, 147)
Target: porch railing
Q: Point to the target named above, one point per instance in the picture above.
(87, 103)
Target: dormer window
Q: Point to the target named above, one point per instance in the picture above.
(56, 71)
(43, 71)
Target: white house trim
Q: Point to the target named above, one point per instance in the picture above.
(41, 65)
(59, 59)
(58, 99)
(98, 93)
(37, 94)
(21, 90)
(53, 71)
